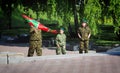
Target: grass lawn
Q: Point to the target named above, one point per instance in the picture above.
(106, 42)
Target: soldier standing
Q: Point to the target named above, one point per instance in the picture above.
(35, 42)
(61, 42)
(84, 34)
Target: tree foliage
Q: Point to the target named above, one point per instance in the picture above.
(65, 11)
(114, 12)
(92, 13)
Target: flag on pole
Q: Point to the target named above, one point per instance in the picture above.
(38, 25)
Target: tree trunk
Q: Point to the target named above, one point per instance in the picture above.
(9, 16)
(81, 11)
(75, 16)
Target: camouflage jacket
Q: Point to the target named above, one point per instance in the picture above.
(61, 39)
(35, 35)
(84, 32)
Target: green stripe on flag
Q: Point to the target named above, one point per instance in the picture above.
(35, 23)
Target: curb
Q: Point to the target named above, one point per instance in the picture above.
(11, 58)
(14, 58)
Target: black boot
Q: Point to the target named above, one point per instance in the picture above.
(80, 51)
(86, 51)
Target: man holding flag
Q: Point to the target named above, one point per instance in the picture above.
(35, 35)
(35, 42)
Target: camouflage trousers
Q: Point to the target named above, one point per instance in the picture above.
(84, 46)
(60, 50)
(35, 46)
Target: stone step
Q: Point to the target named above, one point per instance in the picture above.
(11, 57)
(3, 58)
(26, 59)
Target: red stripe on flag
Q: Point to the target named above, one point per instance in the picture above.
(24, 16)
(31, 24)
(42, 27)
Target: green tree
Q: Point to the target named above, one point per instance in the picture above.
(104, 7)
(35, 5)
(114, 11)
(91, 10)
(8, 7)
(64, 10)
(51, 8)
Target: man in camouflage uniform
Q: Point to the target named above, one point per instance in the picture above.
(61, 42)
(84, 34)
(35, 42)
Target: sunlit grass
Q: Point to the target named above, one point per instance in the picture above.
(106, 42)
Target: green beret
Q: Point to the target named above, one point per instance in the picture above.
(84, 20)
(62, 29)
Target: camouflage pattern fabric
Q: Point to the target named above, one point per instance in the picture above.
(61, 44)
(84, 32)
(84, 46)
(35, 42)
(84, 41)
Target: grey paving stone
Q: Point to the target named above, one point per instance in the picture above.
(81, 64)
(67, 56)
(11, 57)
(15, 58)
(3, 58)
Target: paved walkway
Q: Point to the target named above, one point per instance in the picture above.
(79, 64)
(70, 63)
(23, 48)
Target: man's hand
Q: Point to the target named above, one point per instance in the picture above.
(89, 36)
(35, 30)
(79, 36)
(58, 45)
(63, 46)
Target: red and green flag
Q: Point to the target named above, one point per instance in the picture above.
(38, 25)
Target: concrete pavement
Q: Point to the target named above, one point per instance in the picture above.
(70, 63)
(67, 64)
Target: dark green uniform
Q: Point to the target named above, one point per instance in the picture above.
(84, 40)
(61, 44)
(35, 42)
